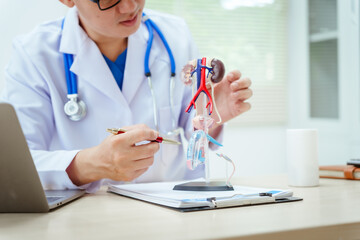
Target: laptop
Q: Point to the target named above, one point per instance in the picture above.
(20, 187)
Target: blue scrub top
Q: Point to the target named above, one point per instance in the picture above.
(117, 68)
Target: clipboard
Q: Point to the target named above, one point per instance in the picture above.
(162, 193)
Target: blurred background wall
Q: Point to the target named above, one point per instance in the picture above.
(302, 56)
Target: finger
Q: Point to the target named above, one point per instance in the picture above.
(233, 76)
(242, 95)
(240, 84)
(144, 151)
(139, 135)
(129, 176)
(137, 126)
(143, 163)
(138, 173)
(242, 107)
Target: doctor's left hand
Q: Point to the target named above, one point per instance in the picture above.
(231, 95)
(117, 157)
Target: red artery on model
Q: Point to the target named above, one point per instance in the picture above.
(201, 66)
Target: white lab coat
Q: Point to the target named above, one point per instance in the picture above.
(36, 86)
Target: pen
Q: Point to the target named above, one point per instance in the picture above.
(159, 139)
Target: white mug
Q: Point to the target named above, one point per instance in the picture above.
(302, 157)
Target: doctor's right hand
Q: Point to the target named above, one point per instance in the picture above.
(116, 158)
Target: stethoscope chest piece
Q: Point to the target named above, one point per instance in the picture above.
(75, 109)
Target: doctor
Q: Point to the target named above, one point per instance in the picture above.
(107, 40)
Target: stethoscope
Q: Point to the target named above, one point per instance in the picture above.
(150, 25)
(75, 108)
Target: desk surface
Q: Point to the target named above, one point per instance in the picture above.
(328, 211)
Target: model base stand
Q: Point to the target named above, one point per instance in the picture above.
(204, 186)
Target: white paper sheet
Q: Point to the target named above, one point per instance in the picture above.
(163, 193)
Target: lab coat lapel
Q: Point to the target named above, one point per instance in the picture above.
(134, 75)
(89, 64)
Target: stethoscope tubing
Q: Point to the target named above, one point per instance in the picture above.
(71, 82)
(171, 57)
(72, 87)
(152, 26)
(148, 48)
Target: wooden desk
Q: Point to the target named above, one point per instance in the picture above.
(330, 211)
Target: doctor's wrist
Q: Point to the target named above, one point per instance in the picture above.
(77, 170)
(72, 173)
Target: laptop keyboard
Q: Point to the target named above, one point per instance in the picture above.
(52, 199)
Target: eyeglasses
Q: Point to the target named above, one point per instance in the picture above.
(106, 4)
